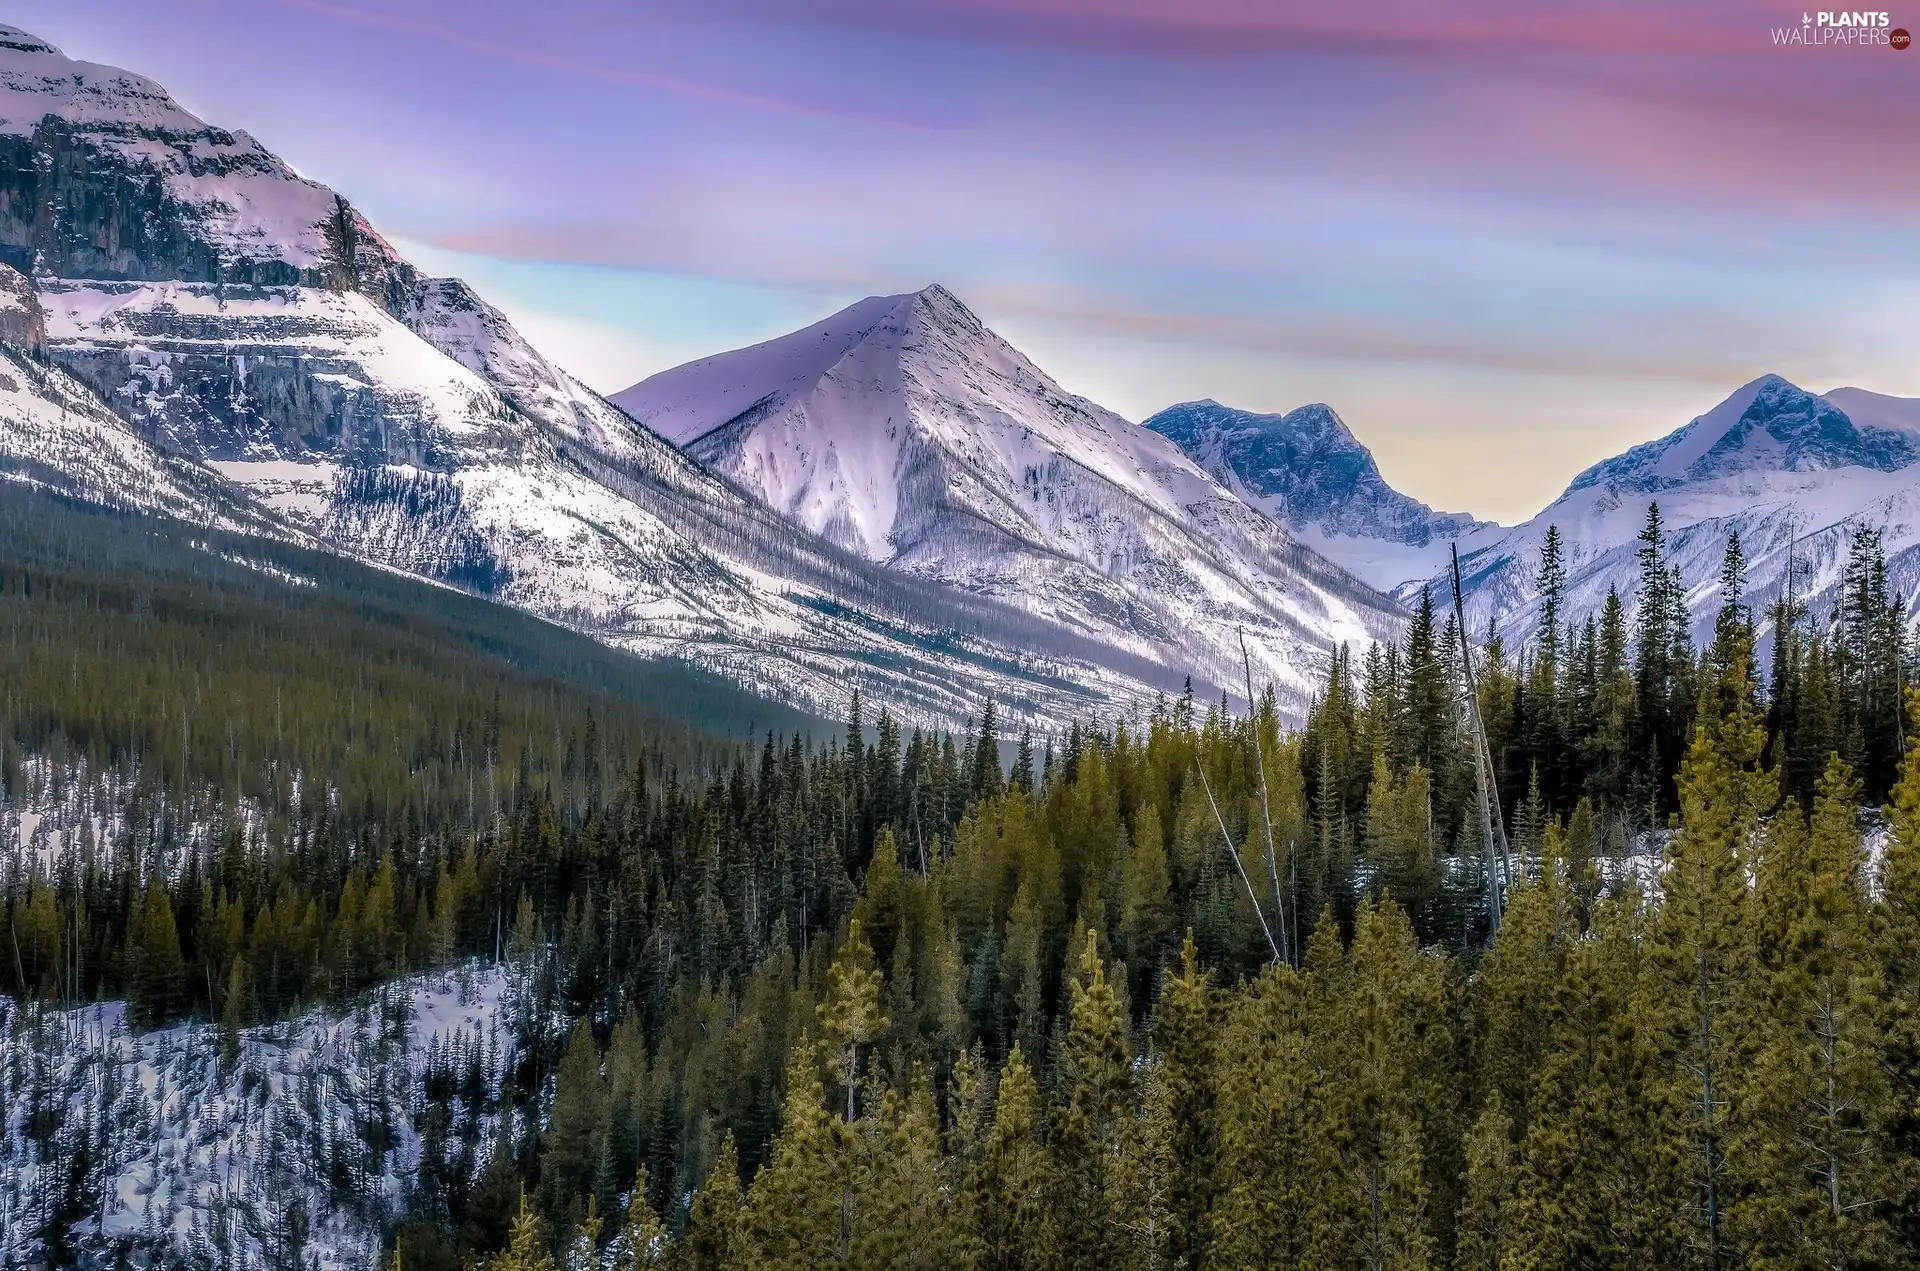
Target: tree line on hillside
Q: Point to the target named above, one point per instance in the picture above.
(1592, 718)
(1182, 989)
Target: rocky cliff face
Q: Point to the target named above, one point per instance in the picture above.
(103, 176)
(278, 372)
(23, 323)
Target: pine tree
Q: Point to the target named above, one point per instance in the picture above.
(1545, 735)
(798, 1210)
(850, 1014)
(1145, 1178)
(644, 1241)
(1187, 1036)
(153, 951)
(1703, 944)
(1378, 1112)
(1869, 651)
(1808, 1138)
(907, 1219)
(582, 1251)
(1429, 708)
(1516, 990)
(1400, 835)
(850, 1017)
(718, 1237)
(1662, 693)
(1897, 931)
(1605, 1077)
(1610, 740)
(1095, 1093)
(1008, 1189)
(234, 1012)
(1277, 1198)
(1486, 1210)
(1146, 901)
(1022, 778)
(527, 1246)
(985, 776)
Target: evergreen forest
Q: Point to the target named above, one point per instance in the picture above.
(1179, 990)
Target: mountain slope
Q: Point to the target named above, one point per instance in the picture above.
(1791, 471)
(250, 327)
(904, 430)
(1308, 471)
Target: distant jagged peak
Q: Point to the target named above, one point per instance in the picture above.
(1769, 424)
(1303, 467)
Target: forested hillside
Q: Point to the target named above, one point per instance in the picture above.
(1177, 990)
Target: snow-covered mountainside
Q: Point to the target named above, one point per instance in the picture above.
(296, 1149)
(1792, 471)
(264, 350)
(57, 435)
(904, 430)
(1308, 471)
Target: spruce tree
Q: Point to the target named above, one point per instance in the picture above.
(576, 1128)
(1094, 1100)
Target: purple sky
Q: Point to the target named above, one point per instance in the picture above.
(1503, 241)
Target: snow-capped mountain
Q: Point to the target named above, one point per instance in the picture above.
(904, 430)
(1793, 472)
(1308, 471)
(268, 358)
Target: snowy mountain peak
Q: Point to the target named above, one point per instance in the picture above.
(905, 430)
(252, 351)
(13, 39)
(1794, 473)
(1769, 424)
(1301, 466)
(1307, 470)
(190, 201)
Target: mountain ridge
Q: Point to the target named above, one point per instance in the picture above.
(1791, 471)
(903, 428)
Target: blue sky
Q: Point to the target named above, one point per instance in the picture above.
(1503, 240)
